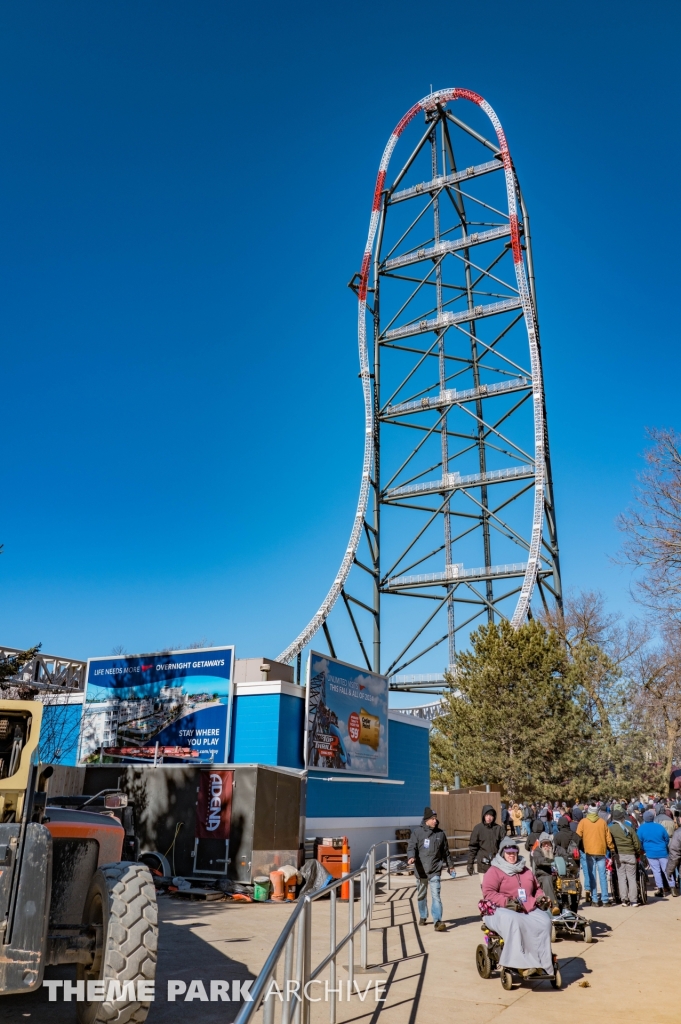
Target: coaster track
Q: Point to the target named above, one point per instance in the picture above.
(539, 569)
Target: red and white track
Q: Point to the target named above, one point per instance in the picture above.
(441, 97)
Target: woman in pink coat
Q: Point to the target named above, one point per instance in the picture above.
(507, 876)
(520, 917)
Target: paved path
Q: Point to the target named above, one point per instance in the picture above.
(624, 977)
(627, 976)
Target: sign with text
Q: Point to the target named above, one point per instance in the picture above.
(347, 718)
(162, 708)
(214, 804)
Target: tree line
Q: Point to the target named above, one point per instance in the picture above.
(577, 701)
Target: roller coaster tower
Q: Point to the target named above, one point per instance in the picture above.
(455, 523)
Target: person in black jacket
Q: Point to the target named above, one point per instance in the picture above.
(484, 842)
(536, 830)
(428, 851)
(565, 837)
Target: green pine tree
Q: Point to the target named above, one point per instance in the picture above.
(512, 716)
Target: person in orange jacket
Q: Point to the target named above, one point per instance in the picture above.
(596, 840)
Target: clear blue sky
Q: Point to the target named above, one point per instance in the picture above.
(184, 193)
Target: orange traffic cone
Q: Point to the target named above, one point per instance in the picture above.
(345, 869)
(277, 880)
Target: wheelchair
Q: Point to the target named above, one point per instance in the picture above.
(567, 888)
(642, 878)
(487, 960)
(569, 923)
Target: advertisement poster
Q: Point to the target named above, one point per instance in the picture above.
(169, 708)
(347, 718)
(214, 804)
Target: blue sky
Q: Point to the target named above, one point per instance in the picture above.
(184, 194)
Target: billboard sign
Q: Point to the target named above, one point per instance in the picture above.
(171, 707)
(347, 718)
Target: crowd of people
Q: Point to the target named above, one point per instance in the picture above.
(607, 837)
(526, 857)
(613, 843)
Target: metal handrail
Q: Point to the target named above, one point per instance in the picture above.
(301, 918)
(288, 941)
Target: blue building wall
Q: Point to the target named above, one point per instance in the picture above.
(291, 732)
(60, 733)
(409, 761)
(268, 729)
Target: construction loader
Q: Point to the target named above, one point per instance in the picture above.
(66, 897)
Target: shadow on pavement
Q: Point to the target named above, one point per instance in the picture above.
(183, 956)
(411, 964)
(599, 929)
(460, 921)
(573, 970)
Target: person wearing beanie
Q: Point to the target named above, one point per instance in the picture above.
(628, 847)
(596, 840)
(429, 852)
(519, 916)
(655, 842)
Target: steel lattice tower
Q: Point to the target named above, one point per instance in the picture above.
(456, 501)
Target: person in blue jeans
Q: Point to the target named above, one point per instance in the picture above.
(595, 868)
(526, 823)
(596, 841)
(428, 852)
(654, 839)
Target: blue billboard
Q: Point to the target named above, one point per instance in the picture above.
(347, 718)
(165, 708)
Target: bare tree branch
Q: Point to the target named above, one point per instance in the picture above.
(652, 525)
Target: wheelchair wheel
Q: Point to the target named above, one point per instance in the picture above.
(483, 962)
(642, 884)
(557, 979)
(506, 979)
(553, 933)
(588, 934)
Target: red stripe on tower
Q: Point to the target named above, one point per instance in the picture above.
(409, 116)
(515, 239)
(380, 182)
(364, 277)
(467, 94)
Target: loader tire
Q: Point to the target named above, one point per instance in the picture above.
(121, 906)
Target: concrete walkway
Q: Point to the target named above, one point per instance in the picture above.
(624, 977)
